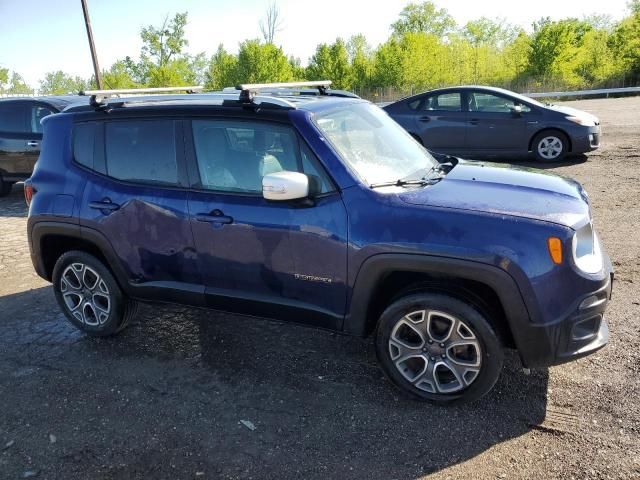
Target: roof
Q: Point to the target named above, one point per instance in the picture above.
(276, 98)
(486, 88)
(58, 101)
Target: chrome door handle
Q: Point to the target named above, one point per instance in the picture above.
(32, 143)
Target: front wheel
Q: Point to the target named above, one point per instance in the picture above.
(438, 348)
(550, 146)
(89, 295)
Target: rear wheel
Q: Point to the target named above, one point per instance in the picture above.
(438, 348)
(550, 146)
(5, 188)
(89, 295)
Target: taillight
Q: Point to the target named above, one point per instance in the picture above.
(29, 191)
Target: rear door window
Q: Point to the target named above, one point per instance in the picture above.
(13, 117)
(142, 151)
(449, 102)
(83, 143)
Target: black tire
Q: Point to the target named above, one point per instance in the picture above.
(557, 146)
(99, 311)
(5, 188)
(487, 363)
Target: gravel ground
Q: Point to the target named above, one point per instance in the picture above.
(186, 393)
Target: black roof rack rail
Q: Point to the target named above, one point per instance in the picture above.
(100, 97)
(249, 90)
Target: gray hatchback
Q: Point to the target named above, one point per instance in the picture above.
(476, 121)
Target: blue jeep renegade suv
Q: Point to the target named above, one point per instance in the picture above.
(317, 209)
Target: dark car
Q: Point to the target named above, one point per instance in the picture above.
(319, 210)
(21, 134)
(474, 121)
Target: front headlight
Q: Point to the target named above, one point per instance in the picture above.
(587, 254)
(582, 121)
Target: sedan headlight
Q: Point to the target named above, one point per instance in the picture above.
(587, 254)
(585, 122)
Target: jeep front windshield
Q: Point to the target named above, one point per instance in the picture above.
(374, 145)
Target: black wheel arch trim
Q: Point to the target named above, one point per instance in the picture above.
(532, 342)
(40, 229)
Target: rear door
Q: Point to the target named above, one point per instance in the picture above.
(286, 260)
(20, 137)
(493, 127)
(136, 197)
(441, 121)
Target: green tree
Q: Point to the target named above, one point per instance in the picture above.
(222, 71)
(163, 61)
(625, 43)
(555, 49)
(298, 72)
(361, 59)
(262, 63)
(424, 17)
(4, 79)
(485, 36)
(515, 56)
(331, 62)
(161, 44)
(596, 60)
(388, 65)
(17, 85)
(60, 83)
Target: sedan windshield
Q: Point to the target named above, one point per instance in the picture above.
(375, 146)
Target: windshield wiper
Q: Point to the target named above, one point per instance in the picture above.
(403, 183)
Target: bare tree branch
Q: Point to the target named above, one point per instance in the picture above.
(271, 23)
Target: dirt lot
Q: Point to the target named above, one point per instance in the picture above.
(165, 398)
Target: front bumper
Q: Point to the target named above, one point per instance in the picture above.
(587, 140)
(580, 333)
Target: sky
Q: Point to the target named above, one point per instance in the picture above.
(38, 36)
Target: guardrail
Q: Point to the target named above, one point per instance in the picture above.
(584, 93)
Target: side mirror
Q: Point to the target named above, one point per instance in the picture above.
(285, 186)
(516, 110)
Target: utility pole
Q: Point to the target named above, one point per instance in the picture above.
(94, 56)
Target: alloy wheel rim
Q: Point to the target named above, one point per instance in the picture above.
(435, 351)
(85, 294)
(550, 147)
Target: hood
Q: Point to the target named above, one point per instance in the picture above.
(574, 112)
(506, 190)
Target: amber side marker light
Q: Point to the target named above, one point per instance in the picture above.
(555, 249)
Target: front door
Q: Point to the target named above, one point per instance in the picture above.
(493, 126)
(137, 199)
(284, 260)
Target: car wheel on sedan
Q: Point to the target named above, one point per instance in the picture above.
(550, 146)
(438, 348)
(89, 295)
